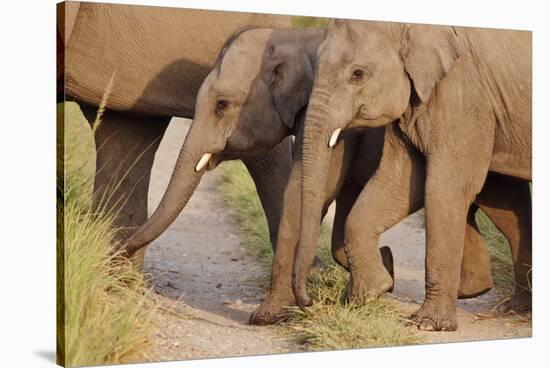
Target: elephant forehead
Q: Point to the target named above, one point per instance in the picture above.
(333, 53)
(356, 42)
(243, 60)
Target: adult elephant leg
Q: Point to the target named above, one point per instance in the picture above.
(507, 202)
(394, 192)
(475, 274)
(125, 147)
(270, 173)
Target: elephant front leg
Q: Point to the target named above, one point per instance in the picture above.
(344, 203)
(270, 173)
(280, 293)
(395, 191)
(378, 208)
(450, 190)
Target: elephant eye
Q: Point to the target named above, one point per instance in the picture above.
(358, 75)
(221, 106)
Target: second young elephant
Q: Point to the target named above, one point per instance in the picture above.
(254, 98)
(462, 97)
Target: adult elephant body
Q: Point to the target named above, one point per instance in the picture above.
(462, 98)
(147, 64)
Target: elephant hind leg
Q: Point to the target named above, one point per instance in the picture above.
(507, 203)
(125, 148)
(475, 273)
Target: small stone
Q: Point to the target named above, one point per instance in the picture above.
(238, 302)
(219, 285)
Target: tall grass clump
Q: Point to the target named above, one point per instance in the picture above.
(330, 323)
(105, 313)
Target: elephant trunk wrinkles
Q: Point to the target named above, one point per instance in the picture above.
(182, 184)
(315, 164)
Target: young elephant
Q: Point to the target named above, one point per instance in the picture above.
(254, 98)
(463, 99)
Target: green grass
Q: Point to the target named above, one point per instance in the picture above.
(242, 201)
(308, 22)
(105, 313)
(330, 323)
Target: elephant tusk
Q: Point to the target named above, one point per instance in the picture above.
(203, 161)
(334, 137)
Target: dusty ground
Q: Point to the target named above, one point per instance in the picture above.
(201, 271)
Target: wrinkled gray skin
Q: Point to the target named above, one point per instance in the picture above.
(240, 113)
(462, 97)
(157, 58)
(264, 78)
(255, 97)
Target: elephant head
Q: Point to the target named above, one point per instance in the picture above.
(368, 74)
(247, 105)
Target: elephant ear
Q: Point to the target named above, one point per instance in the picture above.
(291, 81)
(429, 52)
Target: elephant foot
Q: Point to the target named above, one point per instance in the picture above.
(468, 293)
(475, 277)
(520, 302)
(433, 316)
(362, 290)
(272, 310)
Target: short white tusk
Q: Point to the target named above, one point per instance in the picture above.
(334, 137)
(203, 161)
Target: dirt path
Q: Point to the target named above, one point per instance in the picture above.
(201, 271)
(200, 261)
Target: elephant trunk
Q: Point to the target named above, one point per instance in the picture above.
(185, 178)
(315, 165)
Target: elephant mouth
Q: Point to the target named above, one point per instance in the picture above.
(213, 163)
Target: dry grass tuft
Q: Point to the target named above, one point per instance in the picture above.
(105, 312)
(331, 323)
